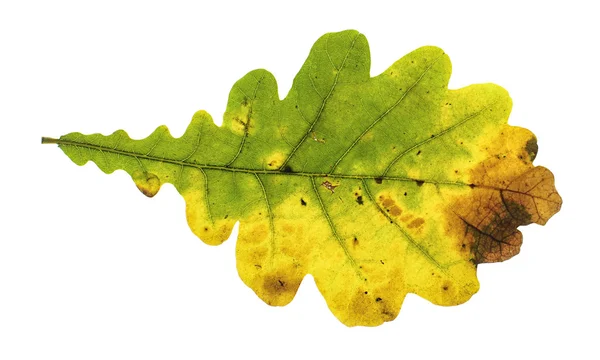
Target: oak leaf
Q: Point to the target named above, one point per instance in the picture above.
(377, 186)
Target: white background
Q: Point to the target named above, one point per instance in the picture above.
(92, 269)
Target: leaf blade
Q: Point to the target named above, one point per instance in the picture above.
(376, 186)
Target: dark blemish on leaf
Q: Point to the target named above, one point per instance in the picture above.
(416, 223)
(287, 169)
(296, 106)
(315, 138)
(472, 186)
(445, 288)
(257, 266)
(464, 246)
(381, 261)
(359, 200)
(532, 148)
(245, 102)
(432, 274)
(259, 213)
(275, 286)
(148, 183)
(378, 180)
(366, 292)
(226, 216)
(418, 152)
(302, 202)
(329, 186)
(378, 299)
(420, 182)
(517, 211)
(432, 136)
(405, 193)
(497, 238)
(205, 229)
(355, 241)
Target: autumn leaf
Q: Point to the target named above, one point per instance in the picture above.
(377, 186)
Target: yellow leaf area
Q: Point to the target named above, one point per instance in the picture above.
(376, 186)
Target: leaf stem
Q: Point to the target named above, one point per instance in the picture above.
(48, 140)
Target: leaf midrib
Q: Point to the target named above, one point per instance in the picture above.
(278, 172)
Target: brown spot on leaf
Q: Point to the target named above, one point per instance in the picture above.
(147, 182)
(359, 200)
(390, 206)
(416, 223)
(302, 202)
(532, 148)
(491, 215)
(378, 180)
(329, 186)
(279, 289)
(420, 182)
(288, 229)
(257, 233)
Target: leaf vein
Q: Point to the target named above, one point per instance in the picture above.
(333, 229)
(269, 215)
(384, 114)
(431, 138)
(323, 104)
(247, 124)
(407, 236)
